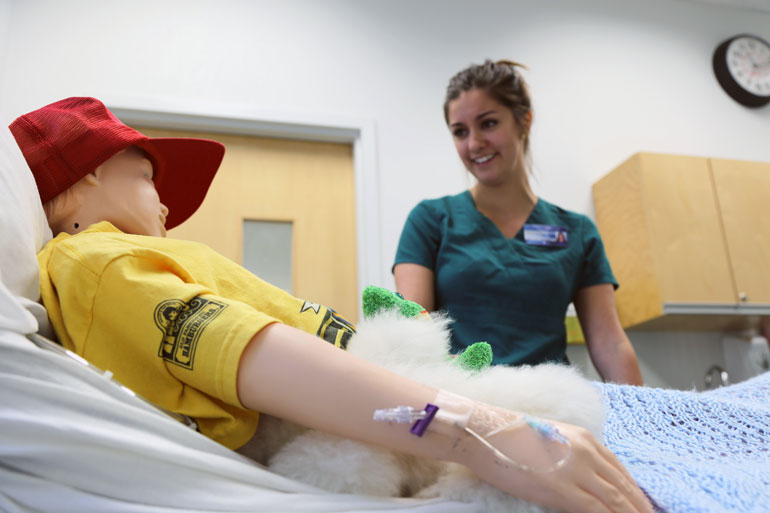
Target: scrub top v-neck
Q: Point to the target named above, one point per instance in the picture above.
(510, 292)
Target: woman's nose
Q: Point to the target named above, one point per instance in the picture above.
(476, 140)
(164, 210)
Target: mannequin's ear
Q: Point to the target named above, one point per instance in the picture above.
(93, 178)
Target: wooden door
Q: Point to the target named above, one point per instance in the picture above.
(743, 191)
(307, 184)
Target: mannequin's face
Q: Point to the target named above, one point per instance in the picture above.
(126, 194)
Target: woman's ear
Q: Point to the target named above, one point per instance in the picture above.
(526, 121)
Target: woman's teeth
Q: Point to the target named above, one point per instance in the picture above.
(485, 158)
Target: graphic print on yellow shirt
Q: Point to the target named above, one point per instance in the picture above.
(333, 327)
(182, 324)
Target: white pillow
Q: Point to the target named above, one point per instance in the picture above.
(23, 231)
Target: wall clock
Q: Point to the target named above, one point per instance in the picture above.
(742, 67)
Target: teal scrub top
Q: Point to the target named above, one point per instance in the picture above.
(507, 292)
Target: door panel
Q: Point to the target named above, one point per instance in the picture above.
(267, 251)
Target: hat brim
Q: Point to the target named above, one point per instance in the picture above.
(184, 169)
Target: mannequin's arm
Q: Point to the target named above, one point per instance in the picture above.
(287, 373)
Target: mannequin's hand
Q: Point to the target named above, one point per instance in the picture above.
(591, 480)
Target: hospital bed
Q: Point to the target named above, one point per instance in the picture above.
(73, 439)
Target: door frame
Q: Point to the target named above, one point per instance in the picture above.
(359, 133)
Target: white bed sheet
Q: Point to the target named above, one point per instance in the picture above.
(72, 440)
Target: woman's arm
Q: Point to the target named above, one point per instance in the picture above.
(287, 373)
(611, 351)
(416, 283)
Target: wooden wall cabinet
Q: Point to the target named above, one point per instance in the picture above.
(689, 241)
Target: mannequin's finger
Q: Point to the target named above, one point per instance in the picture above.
(610, 456)
(617, 492)
(618, 474)
(583, 501)
(615, 500)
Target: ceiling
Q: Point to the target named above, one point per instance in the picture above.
(759, 5)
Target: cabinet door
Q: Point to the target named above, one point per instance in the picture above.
(621, 217)
(743, 192)
(685, 230)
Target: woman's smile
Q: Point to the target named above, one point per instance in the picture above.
(484, 159)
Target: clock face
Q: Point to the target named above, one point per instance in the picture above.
(748, 61)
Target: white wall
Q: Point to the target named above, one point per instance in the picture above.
(5, 18)
(609, 78)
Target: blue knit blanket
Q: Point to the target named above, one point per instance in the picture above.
(695, 451)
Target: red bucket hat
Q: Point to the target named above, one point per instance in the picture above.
(64, 141)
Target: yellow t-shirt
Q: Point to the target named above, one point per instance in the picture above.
(170, 319)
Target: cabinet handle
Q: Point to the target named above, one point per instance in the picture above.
(743, 297)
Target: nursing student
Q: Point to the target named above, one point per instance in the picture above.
(199, 335)
(502, 262)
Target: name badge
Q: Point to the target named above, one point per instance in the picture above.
(545, 235)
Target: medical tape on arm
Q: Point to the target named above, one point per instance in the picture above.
(516, 439)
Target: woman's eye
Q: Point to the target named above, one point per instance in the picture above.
(487, 123)
(459, 132)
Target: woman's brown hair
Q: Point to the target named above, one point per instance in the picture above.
(501, 80)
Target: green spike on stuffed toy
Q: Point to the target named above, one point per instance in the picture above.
(375, 299)
(474, 358)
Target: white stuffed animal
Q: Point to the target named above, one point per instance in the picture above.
(418, 348)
